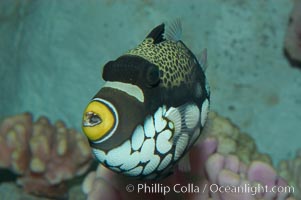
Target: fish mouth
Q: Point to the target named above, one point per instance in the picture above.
(91, 119)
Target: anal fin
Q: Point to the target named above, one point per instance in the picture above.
(184, 164)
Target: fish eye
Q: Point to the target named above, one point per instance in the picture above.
(100, 120)
(152, 75)
(94, 119)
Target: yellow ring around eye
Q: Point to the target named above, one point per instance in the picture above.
(107, 120)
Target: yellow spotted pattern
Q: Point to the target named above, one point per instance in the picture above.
(172, 58)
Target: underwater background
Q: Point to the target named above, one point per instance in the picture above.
(52, 53)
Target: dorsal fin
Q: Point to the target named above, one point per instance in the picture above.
(173, 30)
(203, 59)
(157, 34)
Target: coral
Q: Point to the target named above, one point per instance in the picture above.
(291, 171)
(292, 45)
(44, 156)
(232, 141)
(223, 158)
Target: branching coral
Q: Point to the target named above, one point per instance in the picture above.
(291, 171)
(224, 158)
(42, 154)
(292, 44)
(232, 141)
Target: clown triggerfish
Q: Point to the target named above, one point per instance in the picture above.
(151, 109)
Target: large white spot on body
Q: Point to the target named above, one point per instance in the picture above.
(152, 165)
(192, 116)
(163, 110)
(131, 161)
(99, 154)
(137, 138)
(204, 112)
(134, 172)
(147, 150)
(162, 143)
(170, 125)
(160, 123)
(149, 127)
(118, 155)
(116, 169)
(174, 115)
(181, 146)
(165, 162)
(128, 88)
